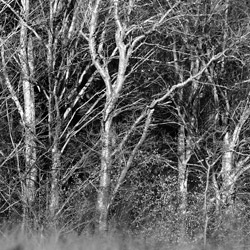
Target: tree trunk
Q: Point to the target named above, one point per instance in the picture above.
(54, 189)
(55, 130)
(183, 157)
(104, 186)
(26, 62)
(54, 119)
(56, 166)
(228, 182)
(227, 172)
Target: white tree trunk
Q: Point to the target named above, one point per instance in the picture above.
(227, 172)
(104, 186)
(26, 62)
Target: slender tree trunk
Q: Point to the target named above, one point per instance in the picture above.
(55, 170)
(54, 119)
(183, 157)
(54, 189)
(54, 138)
(26, 61)
(217, 194)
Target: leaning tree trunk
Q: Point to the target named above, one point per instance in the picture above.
(231, 168)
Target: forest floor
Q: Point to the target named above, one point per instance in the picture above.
(17, 241)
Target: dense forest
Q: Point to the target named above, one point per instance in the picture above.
(126, 116)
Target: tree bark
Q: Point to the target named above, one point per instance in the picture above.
(184, 155)
(104, 186)
(27, 65)
(54, 118)
(55, 168)
(227, 172)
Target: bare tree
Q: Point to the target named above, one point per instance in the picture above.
(80, 60)
(64, 24)
(27, 111)
(114, 84)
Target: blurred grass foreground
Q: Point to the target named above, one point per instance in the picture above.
(16, 240)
